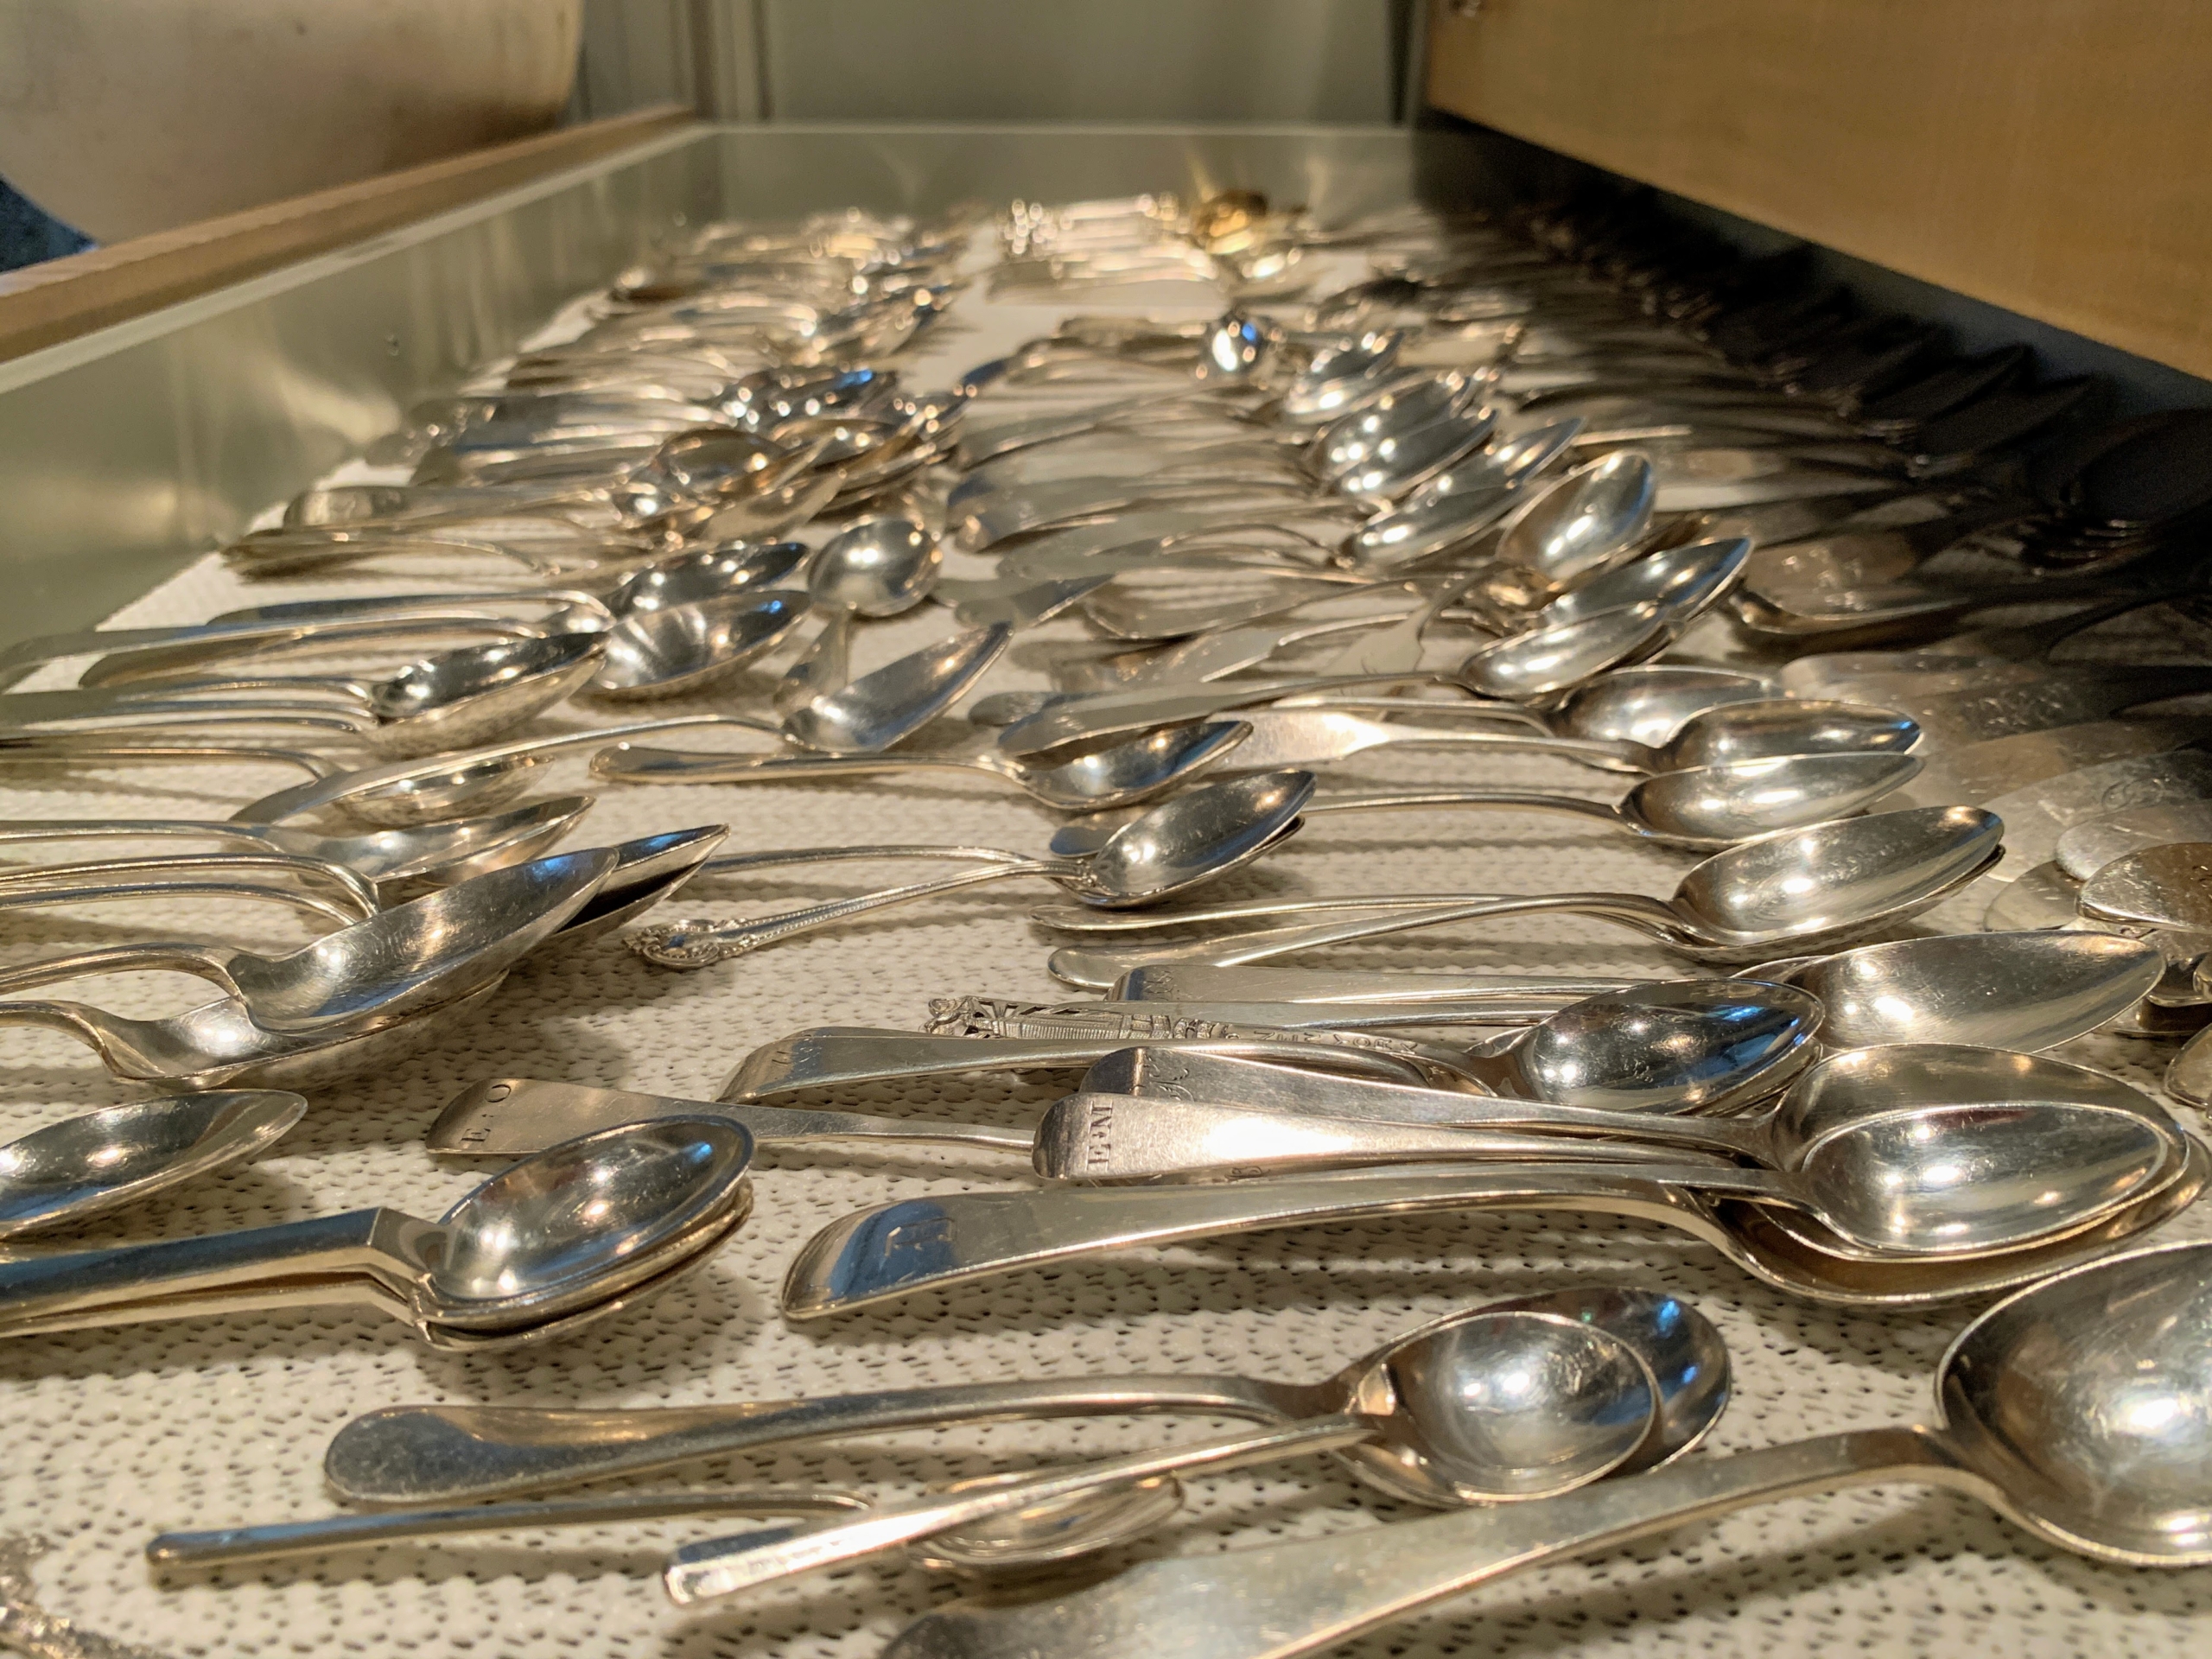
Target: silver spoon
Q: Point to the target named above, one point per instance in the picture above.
(1122, 774)
(2072, 1408)
(545, 1237)
(416, 955)
(389, 858)
(878, 710)
(1459, 503)
(1703, 809)
(1518, 1388)
(447, 1453)
(108, 1160)
(2047, 1147)
(1822, 885)
(713, 573)
(1177, 845)
(679, 649)
(878, 567)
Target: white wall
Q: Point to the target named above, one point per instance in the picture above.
(1179, 60)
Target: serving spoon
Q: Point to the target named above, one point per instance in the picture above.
(1180, 844)
(1814, 888)
(545, 1238)
(1120, 774)
(2073, 1407)
(1516, 1387)
(1702, 809)
(416, 955)
(87, 1165)
(454, 1453)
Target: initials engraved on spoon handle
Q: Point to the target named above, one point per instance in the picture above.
(725, 1567)
(694, 944)
(416, 1454)
(1305, 1597)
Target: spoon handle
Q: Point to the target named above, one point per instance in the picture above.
(1314, 1594)
(1521, 800)
(895, 1249)
(1102, 968)
(381, 1243)
(279, 1539)
(58, 747)
(450, 1453)
(698, 943)
(741, 863)
(40, 896)
(725, 1566)
(628, 763)
(309, 872)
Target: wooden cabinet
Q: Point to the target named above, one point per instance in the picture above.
(2050, 156)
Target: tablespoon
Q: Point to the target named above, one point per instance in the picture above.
(545, 1237)
(1703, 809)
(1823, 886)
(859, 1261)
(443, 1453)
(389, 858)
(87, 1165)
(416, 955)
(1977, 1114)
(878, 710)
(1459, 503)
(1181, 844)
(1521, 1386)
(1122, 774)
(2072, 1408)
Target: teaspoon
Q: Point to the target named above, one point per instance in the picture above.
(1703, 809)
(878, 567)
(416, 955)
(1516, 1392)
(1122, 774)
(878, 710)
(2073, 1407)
(454, 1453)
(545, 1237)
(1815, 887)
(1175, 846)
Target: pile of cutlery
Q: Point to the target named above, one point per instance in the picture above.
(1865, 634)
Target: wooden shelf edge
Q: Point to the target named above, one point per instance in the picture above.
(46, 304)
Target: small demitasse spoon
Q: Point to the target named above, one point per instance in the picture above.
(1118, 774)
(454, 1453)
(2073, 1407)
(1176, 846)
(87, 1165)
(546, 1238)
(1502, 1408)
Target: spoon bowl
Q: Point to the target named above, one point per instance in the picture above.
(1680, 1046)
(714, 572)
(1193, 839)
(466, 696)
(693, 646)
(878, 566)
(1591, 520)
(556, 1232)
(1708, 808)
(870, 714)
(104, 1160)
